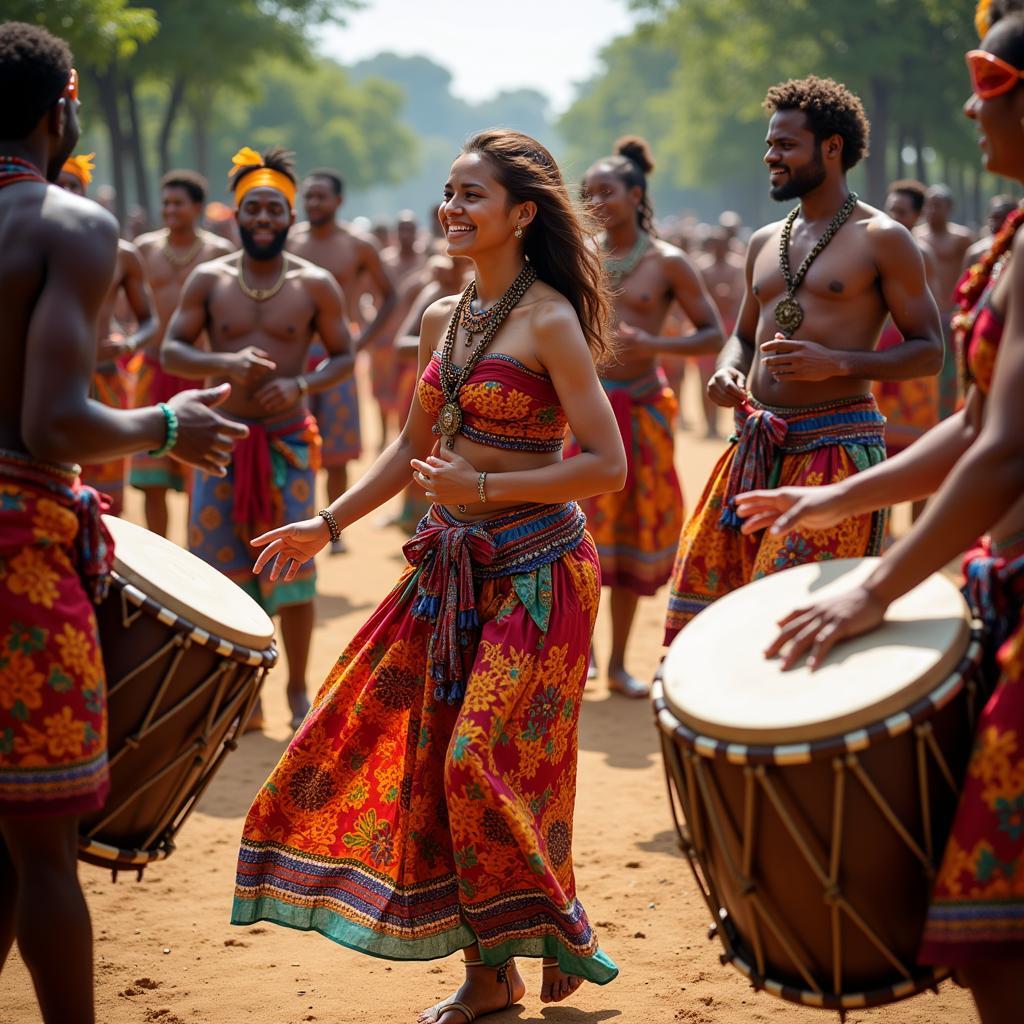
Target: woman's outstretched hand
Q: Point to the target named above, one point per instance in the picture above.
(446, 477)
(290, 547)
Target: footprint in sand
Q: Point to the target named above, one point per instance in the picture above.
(236, 942)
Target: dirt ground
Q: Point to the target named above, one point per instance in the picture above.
(165, 952)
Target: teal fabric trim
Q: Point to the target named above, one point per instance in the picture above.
(535, 592)
(157, 478)
(283, 594)
(599, 968)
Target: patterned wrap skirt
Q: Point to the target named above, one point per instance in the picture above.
(270, 481)
(977, 907)
(775, 447)
(910, 407)
(336, 412)
(55, 561)
(111, 385)
(427, 800)
(636, 530)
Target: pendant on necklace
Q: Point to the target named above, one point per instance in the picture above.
(450, 422)
(789, 315)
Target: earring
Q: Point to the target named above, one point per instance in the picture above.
(518, 231)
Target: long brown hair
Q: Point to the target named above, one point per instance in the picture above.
(558, 241)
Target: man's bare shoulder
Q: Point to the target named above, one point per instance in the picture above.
(307, 271)
(151, 240)
(72, 221)
(217, 243)
(762, 235)
(962, 232)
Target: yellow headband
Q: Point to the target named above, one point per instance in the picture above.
(983, 18)
(265, 177)
(81, 167)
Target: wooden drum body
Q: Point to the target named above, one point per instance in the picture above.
(816, 805)
(185, 653)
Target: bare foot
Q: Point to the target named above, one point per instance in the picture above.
(485, 990)
(555, 984)
(299, 705)
(592, 667)
(620, 681)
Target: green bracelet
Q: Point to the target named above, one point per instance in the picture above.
(171, 439)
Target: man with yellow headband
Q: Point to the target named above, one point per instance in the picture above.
(112, 380)
(170, 255)
(260, 309)
(58, 254)
(356, 265)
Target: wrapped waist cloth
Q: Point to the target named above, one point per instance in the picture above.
(451, 556)
(55, 561)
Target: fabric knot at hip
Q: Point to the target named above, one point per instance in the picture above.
(760, 436)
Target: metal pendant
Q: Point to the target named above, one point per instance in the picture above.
(450, 421)
(789, 315)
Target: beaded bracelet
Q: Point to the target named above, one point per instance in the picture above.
(171, 438)
(480, 481)
(332, 524)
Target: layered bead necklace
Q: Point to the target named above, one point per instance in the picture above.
(789, 314)
(619, 268)
(486, 322)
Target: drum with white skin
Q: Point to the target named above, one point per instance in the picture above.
(185, 653)
(815, 805)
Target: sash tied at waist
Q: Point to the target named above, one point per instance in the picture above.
(760, 436)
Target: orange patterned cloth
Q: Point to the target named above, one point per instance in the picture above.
(111, 385)
(407, 825)
(636, 530)
(910, 407)
(775, 447)
(53, 710)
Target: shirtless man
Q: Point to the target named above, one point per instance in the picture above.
(948, 243)
(636, 530)
(350, 258)
(722, 270)
(260, 309)
(797, 350)
(170, 255)
(999, 208)
(112, 381)
(57, 257)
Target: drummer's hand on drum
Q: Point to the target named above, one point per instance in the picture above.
(782, 509)
(728, 387)
(290, 547)
(205, 438)
(816, 629)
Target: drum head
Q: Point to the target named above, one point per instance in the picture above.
(718, 682)
(188, 586)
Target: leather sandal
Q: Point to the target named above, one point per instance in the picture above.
(468, 1012)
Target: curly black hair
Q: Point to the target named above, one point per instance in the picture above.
(277, 158)
(830, 109)
(191, 181)
(330, 175)
(912, 189)
(34, 70)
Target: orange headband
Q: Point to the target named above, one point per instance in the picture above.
(81, 167)
(264, 177)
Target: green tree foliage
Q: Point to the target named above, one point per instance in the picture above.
(696, 72)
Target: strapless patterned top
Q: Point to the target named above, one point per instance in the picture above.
(982, 346)
(504, 404)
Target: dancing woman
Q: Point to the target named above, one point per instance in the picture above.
(426, 804)
(973, 464)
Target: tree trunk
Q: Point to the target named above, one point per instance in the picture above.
(200, 124)
(878, 159)
(177, 94)
(107, 90)
(142, 195)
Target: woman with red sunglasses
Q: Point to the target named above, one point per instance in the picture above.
(973, 464)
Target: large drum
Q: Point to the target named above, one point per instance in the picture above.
(815, 806)
(185, 652)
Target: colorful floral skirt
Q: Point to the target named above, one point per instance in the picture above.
(775, 447)
(910, 407)
(406, 823)
(636, 530)
(271, 481)
(53, 698)
(336, 411)
(111, 385)
(153, 384)
(977, 905)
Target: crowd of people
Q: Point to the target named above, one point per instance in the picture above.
(526, 359)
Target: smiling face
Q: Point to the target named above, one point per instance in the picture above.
(320, 200)
(794, 157)
(999, 119)
(609, 199)
(477, 215)
(264, 218)
(178, 209)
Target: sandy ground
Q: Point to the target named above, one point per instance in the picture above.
(165, 952)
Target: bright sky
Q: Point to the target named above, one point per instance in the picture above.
(489, 45)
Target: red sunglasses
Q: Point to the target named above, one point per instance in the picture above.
(991, 76)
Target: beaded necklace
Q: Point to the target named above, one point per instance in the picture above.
(449, 420)
(619, 268)
(13, 169)
(477, 323)
(789, 314)
(261, 294)
(182, 259)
